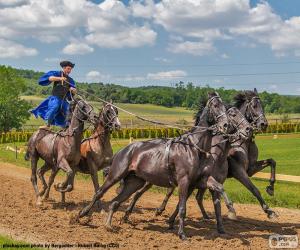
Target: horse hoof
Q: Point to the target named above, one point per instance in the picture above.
(39, 201)
(270, 190)
(158, 212)
(232, 215)
(84, 212)
(182, 236)
(57, 187)
(206, 217)
(42, 193)
(272, 215)
(221, 231)
(109, 228)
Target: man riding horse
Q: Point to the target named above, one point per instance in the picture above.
(55, 109)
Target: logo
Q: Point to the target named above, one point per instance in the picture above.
(283, 241)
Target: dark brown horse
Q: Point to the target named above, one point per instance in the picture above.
(59, 150)
(182, 162)
(243, 155)
(219, 151)
(96, 151)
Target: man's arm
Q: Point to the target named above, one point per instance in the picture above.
(49, 77)
(57, 78)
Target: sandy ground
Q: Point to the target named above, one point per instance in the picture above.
(21, 219)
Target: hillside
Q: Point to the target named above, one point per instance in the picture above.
(185, 95)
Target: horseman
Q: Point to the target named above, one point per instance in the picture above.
(55, 109)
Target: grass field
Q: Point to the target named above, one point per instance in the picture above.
(285, 150)
(9, 244)
(155, 112)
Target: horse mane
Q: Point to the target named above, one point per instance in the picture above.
(240, 98)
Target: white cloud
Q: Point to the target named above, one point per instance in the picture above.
(129, 37)
(211, 20)
(77, 48)
(10, 49)
(96, 76)
(108, 24)
(109, 27)
(193, 48)
(164, 75)
(144, 9)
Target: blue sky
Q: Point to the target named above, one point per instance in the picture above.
(238, 44)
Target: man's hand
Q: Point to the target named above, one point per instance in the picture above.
(73, 90)
(57, 78)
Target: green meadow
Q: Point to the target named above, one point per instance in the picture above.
(284, 149)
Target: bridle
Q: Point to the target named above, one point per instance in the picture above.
(87, 114)
(109, 120)
(209, 108)
(236, 126)
(252, 116)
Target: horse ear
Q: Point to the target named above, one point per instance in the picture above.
(111, 101)
(255, 91)
(217, 94)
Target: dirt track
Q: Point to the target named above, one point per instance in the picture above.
(21, 219)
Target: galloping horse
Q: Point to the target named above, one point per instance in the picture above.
(242, 157)
(96, 151)
(182, 162)
(59, 150)
(219, 150)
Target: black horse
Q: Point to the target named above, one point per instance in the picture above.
(183, 162)
(219, 151)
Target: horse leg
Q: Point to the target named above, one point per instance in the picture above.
(162, 207)
(64, 185)
(229, 204)
(41, 172)
(94, 176)
(260, 165)
(34, 160)
(217, 206)
(199, 198)
(172, 218)
(131, 185)
(184, 191)
(137, 195)
(111, 180)
(54, 172)
(243, 177)
(64, 165)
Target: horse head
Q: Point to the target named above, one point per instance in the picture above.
(239, 123)
(216, 112)
(249, 103)
(84, 111)
(109, 117)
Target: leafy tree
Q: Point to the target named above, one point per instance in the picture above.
(13, 110)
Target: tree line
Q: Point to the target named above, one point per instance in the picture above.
(180, 95)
